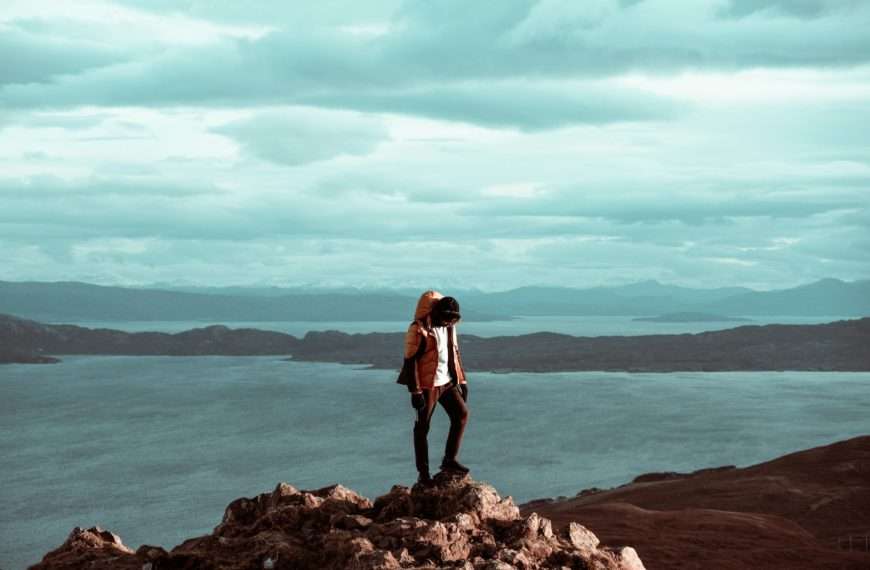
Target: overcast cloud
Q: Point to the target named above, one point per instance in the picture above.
(435, 143)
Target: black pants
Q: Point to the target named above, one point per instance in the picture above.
(451, 400)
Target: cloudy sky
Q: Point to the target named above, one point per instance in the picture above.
(429, 142)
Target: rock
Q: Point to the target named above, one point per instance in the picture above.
(484, 544)
(94, 544)
(396, 503)
(341, 498)
(443, 542)
(148, 552)
(498, 565)
(628, 559)
(457, 523)
(581, 537)
(350, 522)
(533, 536)
(281, 491)
(345, 550)
(517, 558)
(535, 526)
(376, 560)
(405, 557)
(454, 494)
(463, 520)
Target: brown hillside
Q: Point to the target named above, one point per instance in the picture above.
(789, 513)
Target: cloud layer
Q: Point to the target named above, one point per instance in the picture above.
(418, 143)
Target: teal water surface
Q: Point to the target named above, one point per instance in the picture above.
(154, 448)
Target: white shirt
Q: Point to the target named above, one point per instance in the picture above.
(442, 373)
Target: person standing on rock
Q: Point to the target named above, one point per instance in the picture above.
(433, 373)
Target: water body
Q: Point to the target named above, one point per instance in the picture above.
(577, 326)
(154, 448)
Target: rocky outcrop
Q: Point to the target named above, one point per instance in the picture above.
(92, 547)
(456, 523)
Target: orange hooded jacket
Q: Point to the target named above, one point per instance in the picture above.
(421, 329)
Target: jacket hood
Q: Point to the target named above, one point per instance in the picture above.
(425, 304)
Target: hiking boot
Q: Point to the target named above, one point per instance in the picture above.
(453, 465)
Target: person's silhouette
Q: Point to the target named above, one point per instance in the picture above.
(435, 375)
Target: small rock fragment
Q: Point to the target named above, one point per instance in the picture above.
(581, 537)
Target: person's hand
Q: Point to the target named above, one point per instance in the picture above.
(417, 400)
(463, 389)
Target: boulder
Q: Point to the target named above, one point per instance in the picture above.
(581, 537)
(93, 546)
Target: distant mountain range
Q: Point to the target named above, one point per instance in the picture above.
(73, 301)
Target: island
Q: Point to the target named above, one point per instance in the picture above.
(837, 346)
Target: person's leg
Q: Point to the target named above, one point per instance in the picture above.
(452, 402)
(421, 430)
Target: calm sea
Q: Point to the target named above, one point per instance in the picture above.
(154, 448)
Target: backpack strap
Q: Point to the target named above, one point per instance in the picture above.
(421, 348)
